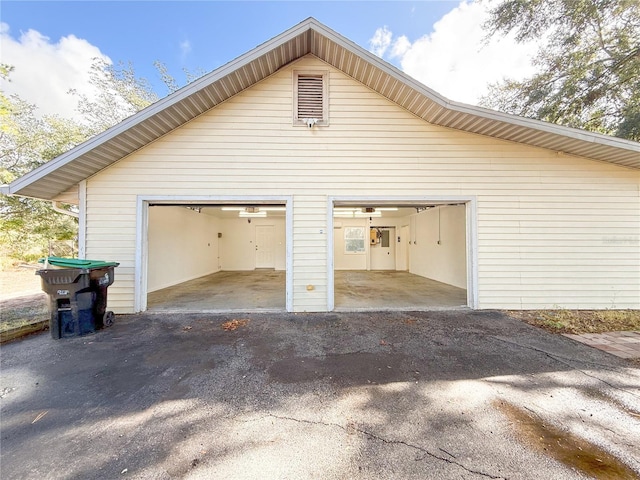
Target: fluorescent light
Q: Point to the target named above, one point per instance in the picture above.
(360, 209)
(356, 214)
(252, 214)
(256, 208)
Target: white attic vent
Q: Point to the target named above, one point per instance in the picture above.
(310, 94)
(310, 97)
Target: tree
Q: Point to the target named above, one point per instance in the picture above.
(588, 64)
(120, 94)
(28, 141)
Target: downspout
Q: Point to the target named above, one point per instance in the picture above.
(56, 207)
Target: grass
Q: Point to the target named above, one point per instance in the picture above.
(22, 302)
(580, 321)
(20, 316)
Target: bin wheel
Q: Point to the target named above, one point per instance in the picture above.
(108, 319)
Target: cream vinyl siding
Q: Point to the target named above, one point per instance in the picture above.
(553, 230)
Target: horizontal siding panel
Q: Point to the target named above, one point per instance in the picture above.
(552, 269)
(540, 283)
(610, 226)
(551, 234)
(541, 305)
(610, 258)
(570, 248)
(517, 275)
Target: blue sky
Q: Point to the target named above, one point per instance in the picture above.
(437, 42)
(205, 34)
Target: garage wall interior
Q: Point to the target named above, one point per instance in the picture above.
(430, 242)
(187, 242)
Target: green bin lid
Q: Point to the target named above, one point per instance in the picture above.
(77, 262)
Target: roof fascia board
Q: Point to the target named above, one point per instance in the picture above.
(159, 106)
(575, 133)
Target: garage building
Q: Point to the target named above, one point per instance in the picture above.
(309, 175)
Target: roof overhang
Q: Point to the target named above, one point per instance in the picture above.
(308, 37)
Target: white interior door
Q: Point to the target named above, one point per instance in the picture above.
(383, 251)
(265, 246)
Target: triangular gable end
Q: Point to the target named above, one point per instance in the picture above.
(310, 36)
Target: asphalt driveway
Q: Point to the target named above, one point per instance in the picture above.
(335, 396)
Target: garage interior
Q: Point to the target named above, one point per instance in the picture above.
(216, 257)
(408, 256)
(233, 257)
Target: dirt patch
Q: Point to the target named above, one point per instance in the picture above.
(575, 452)
(234, 324)
(19, 281)
(580, 321)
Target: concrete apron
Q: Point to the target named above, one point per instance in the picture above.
(333, 396)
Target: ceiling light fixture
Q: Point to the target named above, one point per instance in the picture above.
(252, 214)
(356, 214)
(365, 209)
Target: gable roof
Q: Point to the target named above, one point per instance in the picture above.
(308, 37)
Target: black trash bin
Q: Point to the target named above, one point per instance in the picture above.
(77, 296)
(100, 278)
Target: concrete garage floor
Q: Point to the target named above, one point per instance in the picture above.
(391, 290)
(246, 290)
(264, 290)
(392, 395)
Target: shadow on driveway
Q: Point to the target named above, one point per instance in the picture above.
(331, 396)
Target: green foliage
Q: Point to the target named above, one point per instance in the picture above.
(27, 141)
(5, 70)
(170, 82)
(120, 94)
(27, 225)
(588, 65)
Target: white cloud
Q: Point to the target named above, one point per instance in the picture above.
(400, 46)
(45, 70)
(185, 48)
(454, 59)
(380, 41)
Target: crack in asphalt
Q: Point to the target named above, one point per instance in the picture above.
(388, 442)
(322, 356)
(566, 363)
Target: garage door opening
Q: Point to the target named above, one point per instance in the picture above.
(216, 257)
(401, 255)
